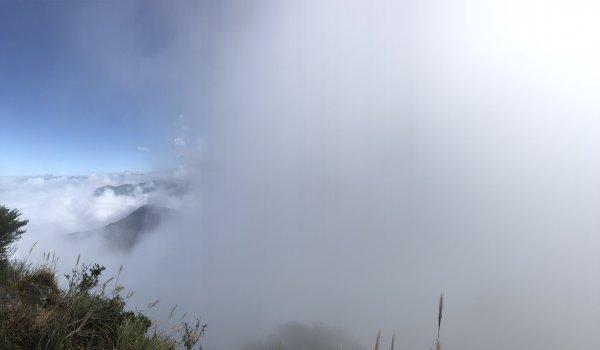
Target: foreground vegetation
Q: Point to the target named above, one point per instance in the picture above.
(35, 313)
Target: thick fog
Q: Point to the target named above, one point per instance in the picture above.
(351, 160)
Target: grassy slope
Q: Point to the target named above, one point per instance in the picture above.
(85, 316)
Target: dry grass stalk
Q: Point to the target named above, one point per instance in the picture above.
(377, 341)
(393, 338)
(441, 307)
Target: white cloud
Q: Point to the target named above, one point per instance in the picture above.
(179, 142)
(144, 149)
(182, 123)
(67, 204)
(56, 206)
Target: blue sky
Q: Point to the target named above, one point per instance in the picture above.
(80, 91)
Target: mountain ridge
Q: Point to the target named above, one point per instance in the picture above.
(126, 232)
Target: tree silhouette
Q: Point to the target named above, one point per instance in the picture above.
(11, 229)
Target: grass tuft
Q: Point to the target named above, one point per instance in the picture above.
(40, 315)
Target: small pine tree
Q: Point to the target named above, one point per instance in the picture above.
(11, 229)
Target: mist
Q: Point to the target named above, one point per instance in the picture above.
(364, 157)
(351, 160)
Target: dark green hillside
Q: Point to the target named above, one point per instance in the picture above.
(125, 233)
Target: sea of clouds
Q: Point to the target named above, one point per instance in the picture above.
(57, 206)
